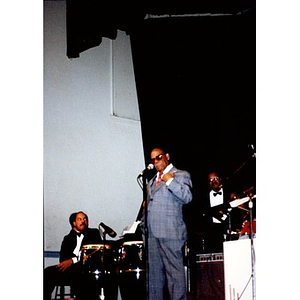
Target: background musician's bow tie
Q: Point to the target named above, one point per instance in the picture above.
(217, 193)
(78, 233)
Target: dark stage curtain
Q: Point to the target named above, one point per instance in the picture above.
(88, 21)
(196, 88)
(195, 80)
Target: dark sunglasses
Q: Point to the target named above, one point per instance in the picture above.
(157, 157)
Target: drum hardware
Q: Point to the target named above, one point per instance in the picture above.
(252, 246)
(86, 256)
(132, 270)
(137, 272)
(97, 247)
(102, 297)
(242, 208)
(237, 203)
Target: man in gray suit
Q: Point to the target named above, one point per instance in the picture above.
(167, 192)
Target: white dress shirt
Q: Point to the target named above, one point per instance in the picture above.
(77, 249)
(166, 170)
(216, 200)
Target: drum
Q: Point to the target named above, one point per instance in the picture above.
(132, 271)
(246, 228)
(99, 266)
(98, 259)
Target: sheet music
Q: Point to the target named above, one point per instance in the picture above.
(130, 228)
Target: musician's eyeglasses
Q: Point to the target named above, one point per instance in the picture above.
(157, 157)
(214, 178)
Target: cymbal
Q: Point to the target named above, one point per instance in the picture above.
(237, 202)
(240, 201)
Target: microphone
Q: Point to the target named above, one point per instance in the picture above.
(149, 167)
(108, 230)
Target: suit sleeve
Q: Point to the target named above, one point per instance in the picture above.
(220, 211)
(67, 246)
(181, 187)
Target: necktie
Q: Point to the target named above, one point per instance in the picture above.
(158, 181)
(218, 193)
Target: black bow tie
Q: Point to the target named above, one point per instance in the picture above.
(78, 233)
(217, 193)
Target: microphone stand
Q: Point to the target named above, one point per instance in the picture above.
(146, 232)
(252, 276)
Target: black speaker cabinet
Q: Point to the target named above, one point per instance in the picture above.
(210, 277)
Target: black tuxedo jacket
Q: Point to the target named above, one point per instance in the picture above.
(218, 210)
(91, 236)
(236, 215)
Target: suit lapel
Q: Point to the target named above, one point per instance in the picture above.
(153, 186)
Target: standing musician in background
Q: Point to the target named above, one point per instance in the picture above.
(216, 196)
(167, 192)
(69, 268)
(216, 199)
(225, 220)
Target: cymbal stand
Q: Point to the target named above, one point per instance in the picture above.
(229, 224)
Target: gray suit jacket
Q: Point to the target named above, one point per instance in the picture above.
(165, 203)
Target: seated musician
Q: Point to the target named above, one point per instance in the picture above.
(69, 268)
